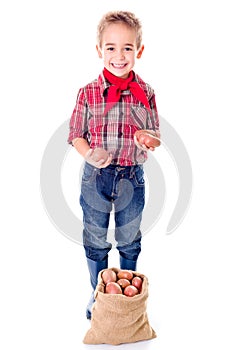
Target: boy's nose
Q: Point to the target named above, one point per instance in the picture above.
(120, 55)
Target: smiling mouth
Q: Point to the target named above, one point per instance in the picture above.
(119, 66)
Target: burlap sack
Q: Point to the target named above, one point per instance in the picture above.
(118, 319)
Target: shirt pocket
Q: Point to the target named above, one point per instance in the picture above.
(139, 116)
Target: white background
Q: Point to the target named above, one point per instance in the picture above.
(47, 53)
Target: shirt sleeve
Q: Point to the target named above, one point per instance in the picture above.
(78, 120)
(153, 122)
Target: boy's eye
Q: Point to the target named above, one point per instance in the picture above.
(128, 49)
(110, 48)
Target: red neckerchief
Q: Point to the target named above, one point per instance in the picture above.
(120, 84)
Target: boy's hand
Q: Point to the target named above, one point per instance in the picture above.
(142, 142)
(89, 158)
(139, 145)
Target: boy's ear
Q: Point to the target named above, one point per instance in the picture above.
(99, 51)
(140, 51)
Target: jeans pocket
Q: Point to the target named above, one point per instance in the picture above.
(139, 177)
(89, 173)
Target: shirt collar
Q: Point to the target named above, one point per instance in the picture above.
(103, 83)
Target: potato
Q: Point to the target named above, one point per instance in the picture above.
(125, 274)
(137, 282)
(130, 291)
(109, 276)
(113, 288)
(100, 153)
(147, 138)
(123, 282)
(151, 141)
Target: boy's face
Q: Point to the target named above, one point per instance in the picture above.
(118, 49)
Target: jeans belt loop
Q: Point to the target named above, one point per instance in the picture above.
(132, 172)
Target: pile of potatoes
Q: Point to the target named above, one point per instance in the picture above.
(123, 282)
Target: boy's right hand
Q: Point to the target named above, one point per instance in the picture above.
(89, 158)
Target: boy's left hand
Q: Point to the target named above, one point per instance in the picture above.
(142, 145)
(139, 145)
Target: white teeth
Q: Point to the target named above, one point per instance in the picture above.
(118, 65)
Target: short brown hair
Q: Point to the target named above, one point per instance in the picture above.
(125, 17)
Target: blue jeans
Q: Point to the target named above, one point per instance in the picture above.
(118, 188)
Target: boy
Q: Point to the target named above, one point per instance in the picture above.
(107, 114)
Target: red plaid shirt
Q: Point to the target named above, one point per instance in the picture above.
(115, 131)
